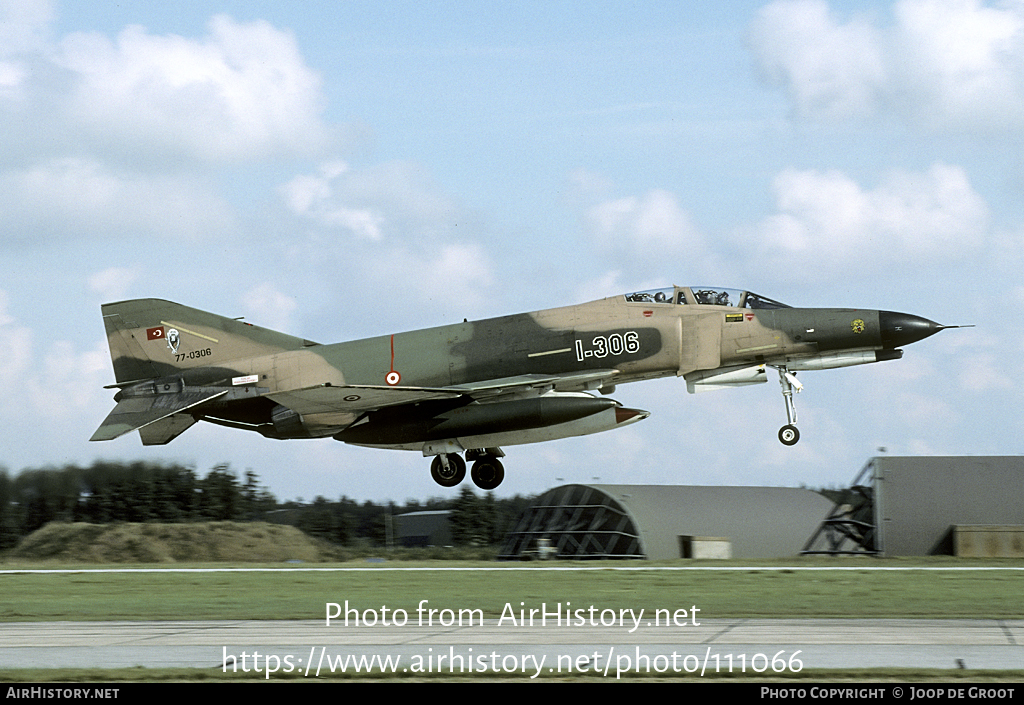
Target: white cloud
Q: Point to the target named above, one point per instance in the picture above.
(66, 381)
(985, 372)
(830, 69)
(605, 285)
(964, 60)
(269, 307)
(825, 219)
(242, 92)
(942, 63)
(24, 31)
(15, 363)
(824, 223)
(1008, 253)
(654, 221)
(24, 25)
(16, 359)
(453, 280)
(313, 196)
(393, 200)
(66, 198)
(113, 283)
(5, 317)
(643, 234)
(12, 75)
(55, 384)
(388, 239)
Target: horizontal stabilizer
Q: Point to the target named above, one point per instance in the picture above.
(165, 430)
(139, 412)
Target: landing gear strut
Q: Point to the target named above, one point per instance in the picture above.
(789, 434)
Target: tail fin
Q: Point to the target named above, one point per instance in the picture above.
(153, 338)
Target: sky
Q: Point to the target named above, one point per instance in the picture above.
(338, 170)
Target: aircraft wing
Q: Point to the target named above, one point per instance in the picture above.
(355, 398)
(140, 412)
(569, 382)
(362, 398)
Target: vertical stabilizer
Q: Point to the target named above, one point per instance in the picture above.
(152, 338)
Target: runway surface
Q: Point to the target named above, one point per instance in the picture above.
(715, 645)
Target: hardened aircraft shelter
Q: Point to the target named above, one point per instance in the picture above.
(661, 522)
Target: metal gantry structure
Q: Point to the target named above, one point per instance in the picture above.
(850, 527)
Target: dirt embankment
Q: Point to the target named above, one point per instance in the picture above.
(170, 543)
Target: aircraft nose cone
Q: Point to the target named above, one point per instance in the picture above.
(903, 329)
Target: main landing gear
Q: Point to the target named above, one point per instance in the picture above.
(449, 469)
(789, 434)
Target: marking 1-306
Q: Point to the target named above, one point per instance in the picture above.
(611, 344)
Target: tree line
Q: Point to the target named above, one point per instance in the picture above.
(107, 492)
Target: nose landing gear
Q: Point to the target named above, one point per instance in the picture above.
(789, 434)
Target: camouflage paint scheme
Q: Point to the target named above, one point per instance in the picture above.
(474, 386)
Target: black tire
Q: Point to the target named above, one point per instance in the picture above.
(487, 473)
(789, 435)
(456, 470)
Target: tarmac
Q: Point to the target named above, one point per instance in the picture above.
(612, 649)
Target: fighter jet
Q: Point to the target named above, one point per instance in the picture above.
(467, 389)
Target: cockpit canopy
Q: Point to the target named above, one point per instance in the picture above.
(705, 295)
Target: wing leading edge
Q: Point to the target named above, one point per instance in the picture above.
(324, 399)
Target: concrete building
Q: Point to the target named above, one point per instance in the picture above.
(896, 506)
(668, 521)
(918, 506)
(426, 528)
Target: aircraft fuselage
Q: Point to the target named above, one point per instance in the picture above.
(474, 386)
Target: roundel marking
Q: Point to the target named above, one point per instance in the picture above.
(392, 377)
